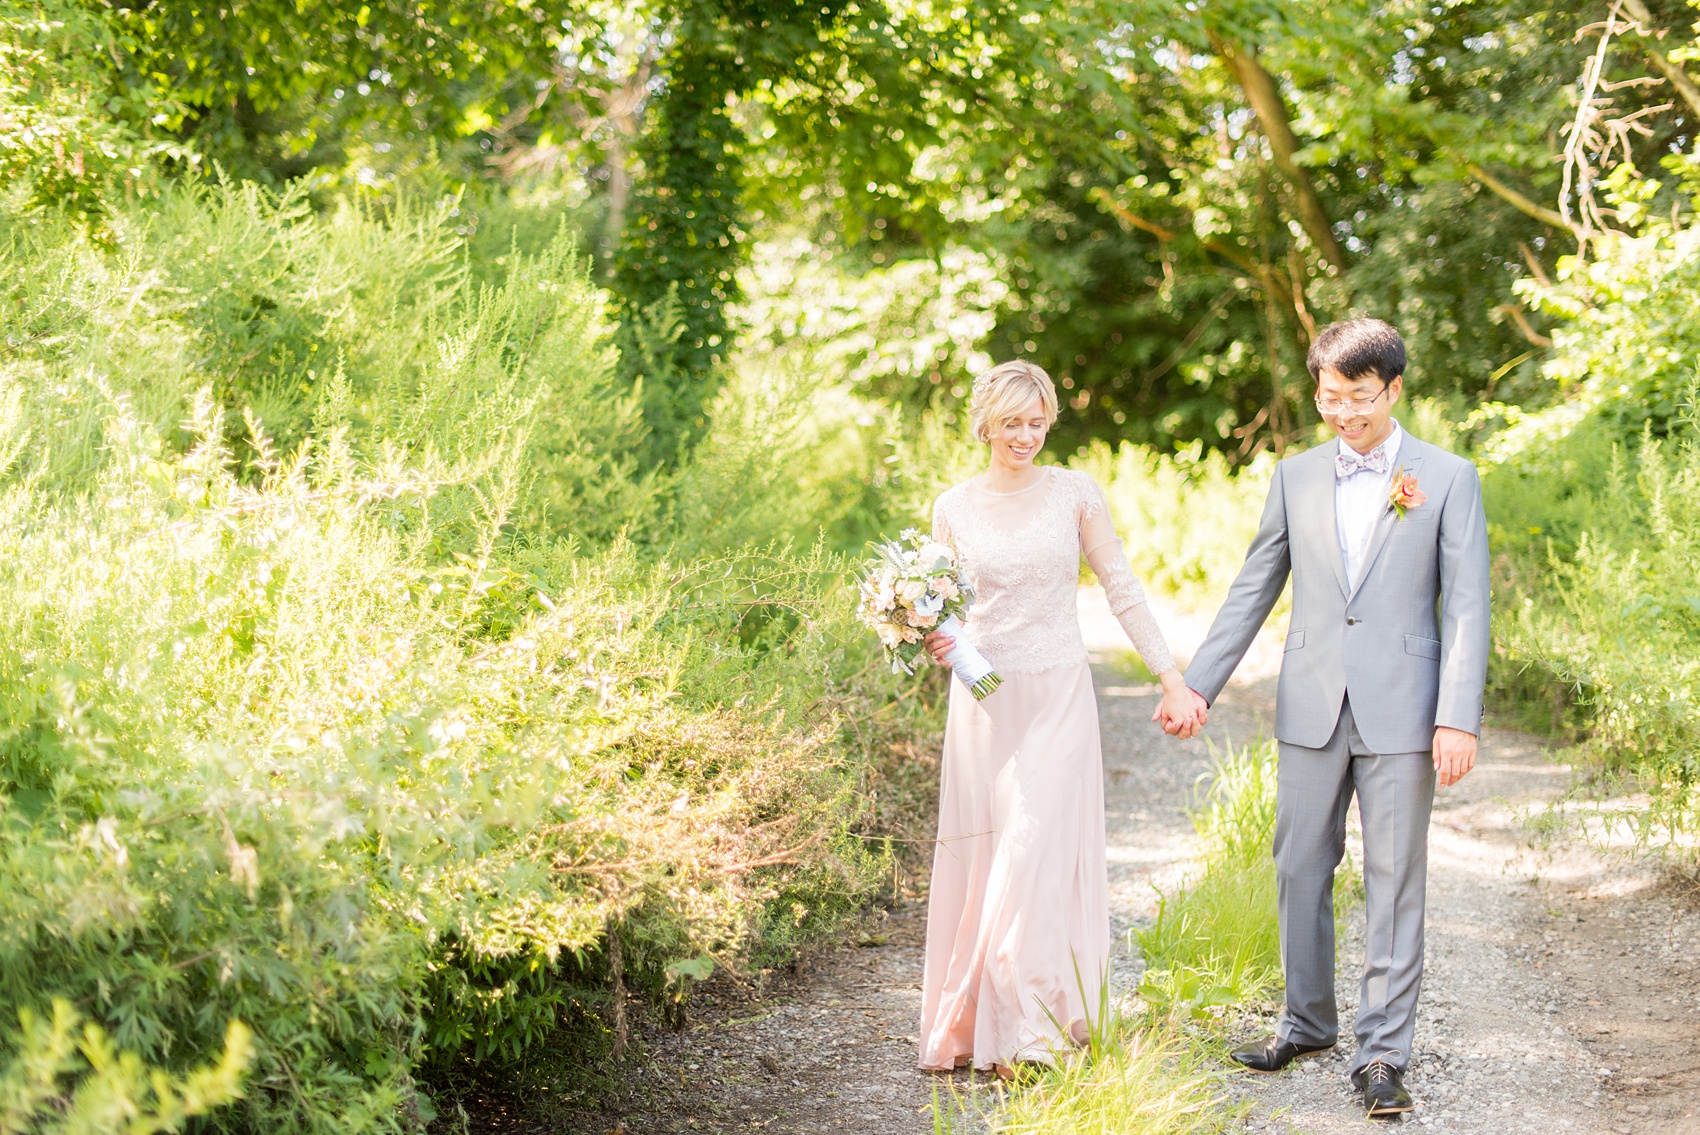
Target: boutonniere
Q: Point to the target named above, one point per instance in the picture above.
(1405, 494)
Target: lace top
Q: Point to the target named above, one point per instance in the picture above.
(1022, 551)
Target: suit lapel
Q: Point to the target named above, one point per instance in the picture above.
(1323, 482)
(1410, 461)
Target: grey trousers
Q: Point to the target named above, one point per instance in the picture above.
(1395, 794)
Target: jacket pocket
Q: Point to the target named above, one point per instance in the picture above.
(1422, 647)
(1426, 513)
(1296, 641)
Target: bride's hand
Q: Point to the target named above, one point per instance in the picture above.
(938, 645)
(1182, 712)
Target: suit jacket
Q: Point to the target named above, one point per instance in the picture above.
(1409, 644)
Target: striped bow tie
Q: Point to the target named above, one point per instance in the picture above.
(1349, 461)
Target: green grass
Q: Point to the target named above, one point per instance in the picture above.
(1129, 666)
(1132, 1077)
(1144, 1081)
(1216, 940)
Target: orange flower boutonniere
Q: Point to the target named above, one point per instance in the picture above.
(1405, 494)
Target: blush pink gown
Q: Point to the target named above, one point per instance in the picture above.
(1018, 931)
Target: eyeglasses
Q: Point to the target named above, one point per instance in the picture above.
(1329, 407)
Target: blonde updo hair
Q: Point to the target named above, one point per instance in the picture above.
(1004, 391)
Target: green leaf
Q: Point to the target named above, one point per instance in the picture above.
(697, 968)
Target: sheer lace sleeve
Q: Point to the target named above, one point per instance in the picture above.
(1104, 551)
(941, 524)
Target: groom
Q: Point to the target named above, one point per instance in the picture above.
(1380, 690)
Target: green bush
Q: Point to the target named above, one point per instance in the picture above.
(70, 1081)
(370, 735)
(68, 135)
(1629, 340)
(1591, 506)
(1601, 616)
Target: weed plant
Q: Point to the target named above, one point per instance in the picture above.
(1131, 1076)
(1140, 1080)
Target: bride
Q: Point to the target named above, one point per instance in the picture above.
(1018, 931)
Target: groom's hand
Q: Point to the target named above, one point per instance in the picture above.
(1454, 754)
(1182, 713)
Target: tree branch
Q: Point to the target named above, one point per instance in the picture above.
(1523, 324)
(1128, 217)
(1540, 212)
(1672, 71)
(1265, 98)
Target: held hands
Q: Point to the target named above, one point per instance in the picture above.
(1454, 754)
(1182, 712)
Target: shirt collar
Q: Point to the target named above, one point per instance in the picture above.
(1390, 446)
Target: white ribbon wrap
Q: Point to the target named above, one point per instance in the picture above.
(966, 661)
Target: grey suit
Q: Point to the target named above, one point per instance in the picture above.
(1369, 671)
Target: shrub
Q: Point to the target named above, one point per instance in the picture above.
(1604, 610)
(1595, 532)
(68, 134)
(382, 741)
(70, 1081)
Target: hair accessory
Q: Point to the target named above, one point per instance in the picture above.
(1003, 370)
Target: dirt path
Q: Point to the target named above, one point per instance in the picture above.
(1562, 992)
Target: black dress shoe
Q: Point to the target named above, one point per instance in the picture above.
(1272, 1055)
(1384, 1089)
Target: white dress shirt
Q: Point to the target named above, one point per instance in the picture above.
(1359, 501)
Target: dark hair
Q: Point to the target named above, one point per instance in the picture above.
(1358, 347)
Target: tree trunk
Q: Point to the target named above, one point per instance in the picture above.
(624, 110)
(619, 191)
(617, 978)
(1265, 98)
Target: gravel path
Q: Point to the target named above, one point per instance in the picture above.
(1562, 991)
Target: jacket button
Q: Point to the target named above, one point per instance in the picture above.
(1352, 622)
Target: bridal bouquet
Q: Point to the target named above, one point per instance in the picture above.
(914, 585)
